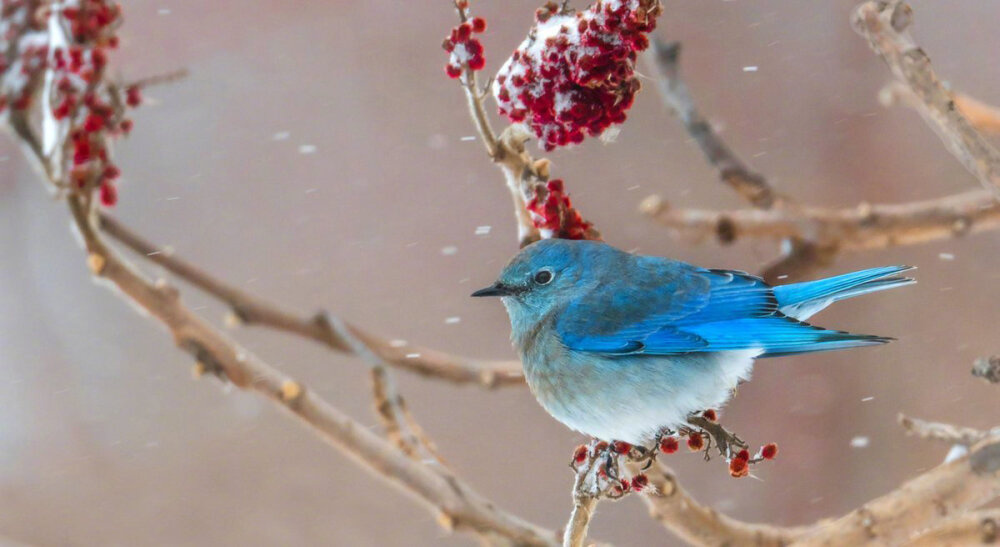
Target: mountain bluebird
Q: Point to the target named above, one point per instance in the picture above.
(624, 347)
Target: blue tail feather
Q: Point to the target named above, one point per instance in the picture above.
(802, 300)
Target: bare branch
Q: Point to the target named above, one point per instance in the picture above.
(884, 25)
(253, 311)
(945, 432)
(584, 503)
(663, 60)
(400, 426)
(975, 528)
(697, 524)
(457, 505)
(948, 489)
(861, 228)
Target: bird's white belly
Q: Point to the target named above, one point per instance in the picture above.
(632, 398)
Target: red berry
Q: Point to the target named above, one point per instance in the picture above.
(769, 451)
(93, 123)
(743, 455)
(81, 151)
(695, 442)
(580, 454)
(639, 482)
(710, 415)
(133, 96)
(622, 447)
(668, 445)
(739, 468)
(453, 71)
(99, 58)
(126, 125)
(478, 24)
(112, 172)
(109, 194)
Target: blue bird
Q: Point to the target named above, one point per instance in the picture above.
(623, 347)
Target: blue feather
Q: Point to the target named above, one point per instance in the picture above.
(802, 300)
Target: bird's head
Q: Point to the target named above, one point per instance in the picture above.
(542, 276)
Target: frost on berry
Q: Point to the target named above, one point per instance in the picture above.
(695, 441)
(739, 466)
(668, 445)
(57, 57)
(768, 451)
(553, 213)
(574, 75)
(464, 49)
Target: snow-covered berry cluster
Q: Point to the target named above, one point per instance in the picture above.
(574, 75)
(23, 52)
(554, 215)
(62, 54)
(464, 48)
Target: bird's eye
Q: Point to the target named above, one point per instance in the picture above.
(543, 277)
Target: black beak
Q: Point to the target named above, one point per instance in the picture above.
(496, 289)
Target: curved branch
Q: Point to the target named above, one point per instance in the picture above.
(975, 528)
(945, 432)
(884, 24)
(960, 485)
(696, 524)
(457, 505)
(253, 311)
(865, 227)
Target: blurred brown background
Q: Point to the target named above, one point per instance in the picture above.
(315, 156)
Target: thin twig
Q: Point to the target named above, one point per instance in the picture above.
(251, 310)
(400, 426)
(945, 432)
(587, 489)
(697, 524)
(861, 228)
(883, 24)
(663, 61)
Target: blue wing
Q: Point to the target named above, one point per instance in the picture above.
(674, 308)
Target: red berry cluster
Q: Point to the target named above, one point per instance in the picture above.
(25, 47)
(554, 215)
(465, 50)
(63, 57)
(574, 75)
(92, 110)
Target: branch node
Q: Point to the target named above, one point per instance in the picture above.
(96, 263)
(291, 392)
